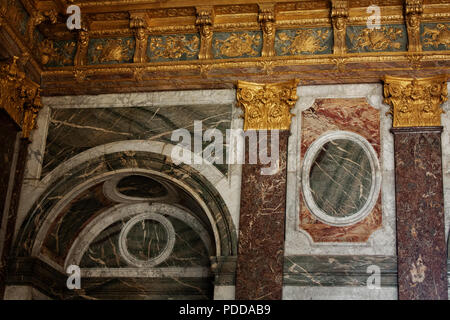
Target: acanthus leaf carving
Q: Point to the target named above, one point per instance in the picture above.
(415, 102)
(267, 106)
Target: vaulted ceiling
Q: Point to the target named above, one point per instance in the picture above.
(139, 45)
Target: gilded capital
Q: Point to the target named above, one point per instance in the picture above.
(415, 102)
(267, 106)
(19, 96)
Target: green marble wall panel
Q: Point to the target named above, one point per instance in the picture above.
(35, 272)
(178, 288)
(74, 130)
(340, 178)
(304, 41)
(111, 51)
(87, 205)
(245, 44)
(388, 38)
(435, 36)
(189, 250)
(338, 270)
(174, 47)
(109, 163)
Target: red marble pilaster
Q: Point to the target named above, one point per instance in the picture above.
(262, 228)
(421, 248)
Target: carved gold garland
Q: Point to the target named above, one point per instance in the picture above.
(19, 97)
(415, 102)
(267, 106)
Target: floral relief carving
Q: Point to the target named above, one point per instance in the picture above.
(434, 37)
(174, 47)
(380, 39)
(238, 44)
(113, 50)
(304, 41)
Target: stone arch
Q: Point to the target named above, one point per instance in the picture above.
(97, 165)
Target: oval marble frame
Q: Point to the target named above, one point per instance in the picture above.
(111, 192)
(374, 189)
(167, 251)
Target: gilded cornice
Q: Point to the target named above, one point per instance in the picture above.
(304, 52)
(267, 106)
(415, 102)
(19, 96)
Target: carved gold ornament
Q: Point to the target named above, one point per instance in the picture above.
(305, 40)
(267, 106)
(378, 39)
(204, 22)
(237, 45)
(173, 47)
(138, 24)
(82, 47)
(112, 50)
(60, 56)
(266, 18)
(414, 10)
(339, 16)
(19, 97)
(415, 102)
(440, 35)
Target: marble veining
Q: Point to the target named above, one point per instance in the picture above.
(357, 117)
(72, 131)
(421, 243)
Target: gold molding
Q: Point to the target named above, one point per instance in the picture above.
(19, 96)
(415, 102)
(267, 106)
